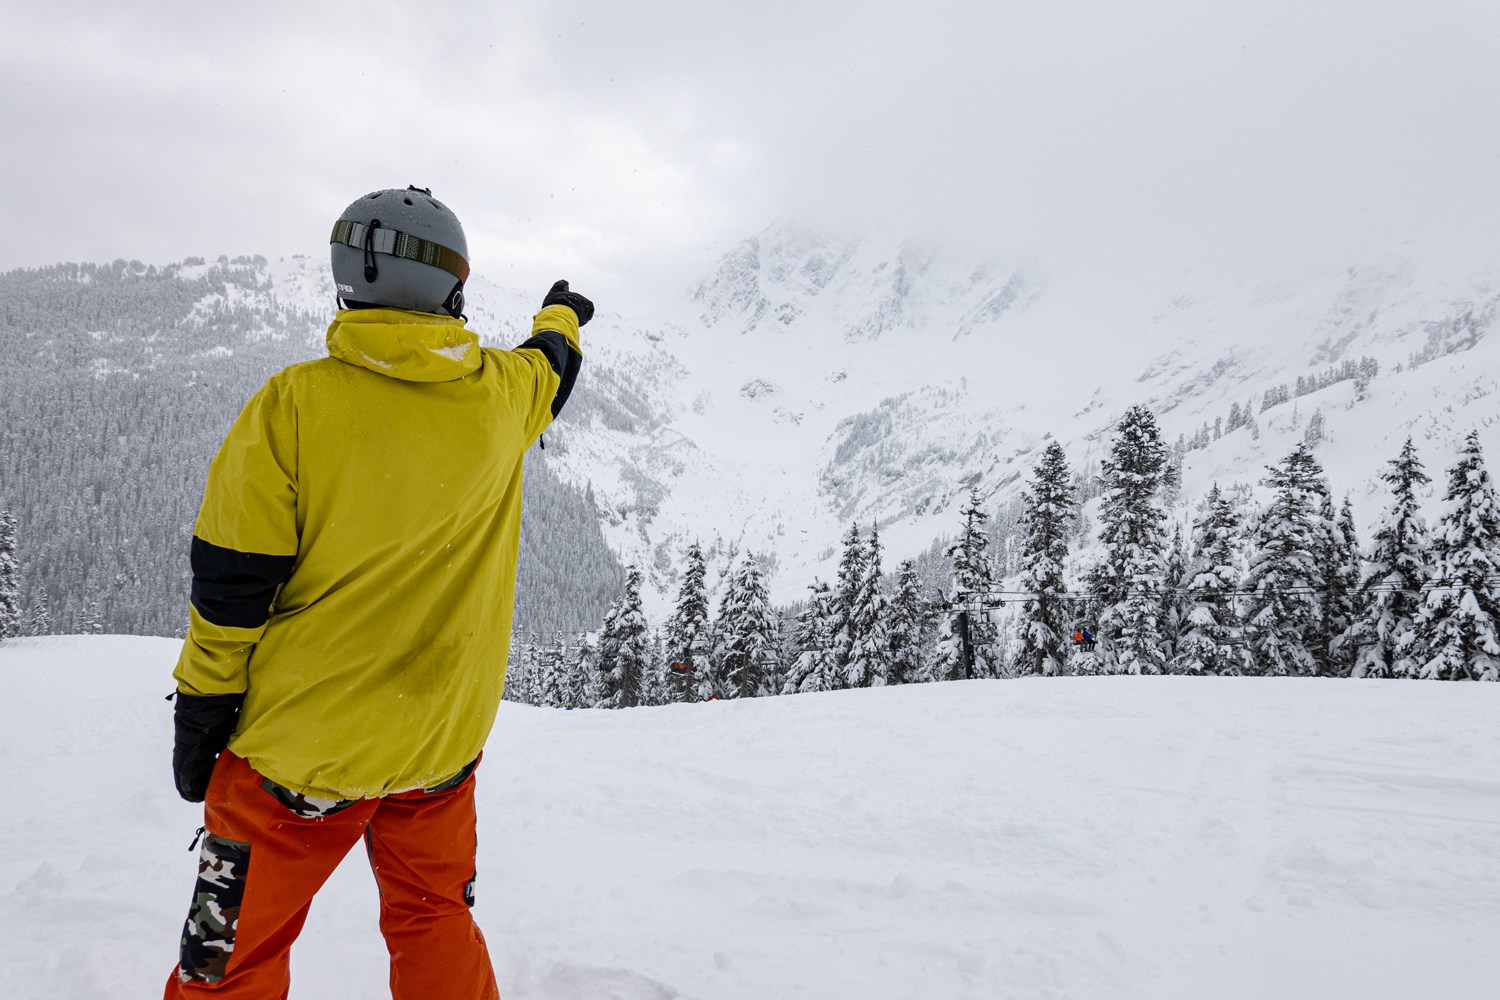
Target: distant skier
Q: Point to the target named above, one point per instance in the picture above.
(354, 567)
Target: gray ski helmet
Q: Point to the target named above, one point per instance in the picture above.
(402, 249)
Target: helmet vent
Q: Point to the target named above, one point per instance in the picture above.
(407, 200)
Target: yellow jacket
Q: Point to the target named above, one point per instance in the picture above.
(355, 556)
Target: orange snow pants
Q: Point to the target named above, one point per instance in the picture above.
(266, 852)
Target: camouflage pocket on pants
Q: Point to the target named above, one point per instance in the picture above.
(306, 806)
(208, 935)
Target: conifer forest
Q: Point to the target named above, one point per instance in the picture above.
(1282, 589)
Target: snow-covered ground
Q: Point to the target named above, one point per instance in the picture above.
(1087, 837)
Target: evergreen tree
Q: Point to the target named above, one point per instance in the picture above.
(1049, 513)
(1173, 600)
(909, 627)
(611, 677)
(552, 687)
(706, 682)
(870, 663)
(1211, 641)
(948, 659)
(686, 639)
(846, 603)
(1128, 579)
(746, 630)
(90, 620)
(520, 674)
(1284, 613)
(586, 686)
(655, 686)
(632, 651)
(761, 627)
(816, 667)
(1341, 573)
(12, 623)
(536, 665)
(1459, 624)
(970, 591)
(39, 622)
(1381, 638)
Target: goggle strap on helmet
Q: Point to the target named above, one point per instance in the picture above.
(398, 244)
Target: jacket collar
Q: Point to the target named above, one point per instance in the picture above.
(412, 346)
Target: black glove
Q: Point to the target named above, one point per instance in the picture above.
(560, 296)
(204, 725)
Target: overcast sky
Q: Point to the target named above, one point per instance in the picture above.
(624, 144)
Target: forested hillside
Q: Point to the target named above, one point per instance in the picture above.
(118, 384)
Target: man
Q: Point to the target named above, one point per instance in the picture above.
(354, 568)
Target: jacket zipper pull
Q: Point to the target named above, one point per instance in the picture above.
(197, 837)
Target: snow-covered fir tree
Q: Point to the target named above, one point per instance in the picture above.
(12, 621)
(39, 619)
(1341, 572)
(1211, 641)
(632, 652)
(872, 655)
(1173, 598)
(816, 667)
(1459, 624)
(970, 593)
(1050, 512)
(686, 639)
(521, 672)
(552, 673)
(910, 625)
(585, 684)
(1128, 578)
(1283, 613)
(655, 683)
(536, 667)
(90, 620)
(746, 630)
(618, 676)
(846, 601)
(1382, 637)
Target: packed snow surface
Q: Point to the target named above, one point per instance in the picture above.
(1090, 837)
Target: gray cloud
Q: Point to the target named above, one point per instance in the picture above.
(622, 144)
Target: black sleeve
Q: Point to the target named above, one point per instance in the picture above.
(563, 359)
(233, 588)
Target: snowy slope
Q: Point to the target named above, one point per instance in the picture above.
(810, 380)
(1081, 838)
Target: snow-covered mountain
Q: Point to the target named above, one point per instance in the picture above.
(808, 380)
(811, 380)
